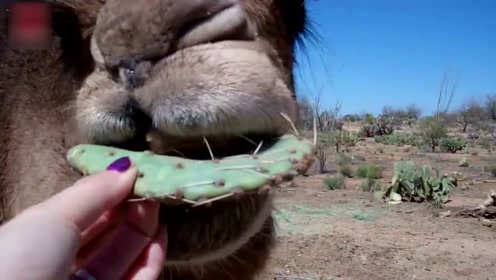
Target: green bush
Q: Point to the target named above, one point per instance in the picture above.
(343, 159)
(433, 129)
(348, 138)
(370, 185)
(369, 171)
(486, 144)
(347, 171)
(463, 162)
(490, 169)
(367, 131)
(452, 145)
(425, 148)
(398, 139)
(335, 182)
(358, 158)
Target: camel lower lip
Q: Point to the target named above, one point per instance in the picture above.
(198, 148)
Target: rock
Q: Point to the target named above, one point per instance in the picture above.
(445, 214)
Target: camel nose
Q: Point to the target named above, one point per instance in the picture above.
(130, 31)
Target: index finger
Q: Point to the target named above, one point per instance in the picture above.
(90, 197)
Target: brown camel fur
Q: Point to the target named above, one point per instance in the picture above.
(118, 69)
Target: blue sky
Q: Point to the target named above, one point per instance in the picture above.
(371, 53)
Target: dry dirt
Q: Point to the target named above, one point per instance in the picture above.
(349, 234)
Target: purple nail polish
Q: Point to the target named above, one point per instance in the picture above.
(122, 164)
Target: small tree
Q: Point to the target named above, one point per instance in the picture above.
(368, 118)
(306, 114)
(445, 95)
(413, 112)
(395, 116)
(490, 107)
(491, 129)
(329, 130)
(432, 130)
(469, 113)
(410, 112)
(389, 112)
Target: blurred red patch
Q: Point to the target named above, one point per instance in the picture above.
(30, 25)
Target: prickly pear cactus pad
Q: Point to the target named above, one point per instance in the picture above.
(197, 181)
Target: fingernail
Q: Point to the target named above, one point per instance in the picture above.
(122, 164)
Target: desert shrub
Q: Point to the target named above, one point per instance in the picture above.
(369, 118)
(398, 139)
(486, 144)
(359, 158)
(369, 171)
(352, 118)
(370, 185)
(418, 184)
(490, 169)
(347, 171)
(425, 148)
(387, 139)
(458, 175)
(433, 129)
(333, 138)
(324, 144)
(452, 145)
(473, 136)
(367, 130)
(384, 126)
(343, 159)
(463, 162)
(348, 138)
(335, 182)
(381, 126)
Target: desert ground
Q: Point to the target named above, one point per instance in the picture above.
(350, 233)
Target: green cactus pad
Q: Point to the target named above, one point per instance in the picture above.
(195, 181)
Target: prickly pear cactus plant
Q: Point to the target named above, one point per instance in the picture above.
(167, 178)
(452, 145)
(379, 127)
(368, 130)
(410, 183)
(384, 127)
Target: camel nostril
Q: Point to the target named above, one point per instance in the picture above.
(128, 77)
(132, 74)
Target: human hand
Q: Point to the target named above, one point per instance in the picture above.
(86, 226)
